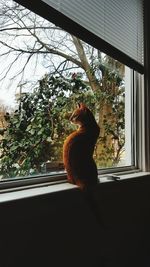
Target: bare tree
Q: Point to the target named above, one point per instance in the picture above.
(26, 37)
(28, 41)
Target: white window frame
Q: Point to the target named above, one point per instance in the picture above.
(141, 150)
(137, 149)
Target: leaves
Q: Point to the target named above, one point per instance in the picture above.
(37, 130)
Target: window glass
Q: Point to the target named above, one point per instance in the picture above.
(44, 73)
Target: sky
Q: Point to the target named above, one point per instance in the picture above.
(9, 88)
(55, 38)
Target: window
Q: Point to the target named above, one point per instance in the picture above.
(45, 72)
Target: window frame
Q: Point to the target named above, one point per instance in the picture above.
(138, 113)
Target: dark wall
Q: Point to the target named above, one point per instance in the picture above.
(60, 229)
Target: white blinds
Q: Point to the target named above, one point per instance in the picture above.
(118, 22)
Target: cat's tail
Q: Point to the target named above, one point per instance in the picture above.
(90, 195)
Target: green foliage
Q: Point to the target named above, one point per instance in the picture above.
(36, 131)
(111, 108)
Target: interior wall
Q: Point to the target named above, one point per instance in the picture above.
(61, 229)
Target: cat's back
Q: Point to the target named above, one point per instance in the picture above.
(75, 143)
(78, 149)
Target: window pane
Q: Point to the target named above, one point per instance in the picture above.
(44, 73)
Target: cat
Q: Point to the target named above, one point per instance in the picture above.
(79, 147)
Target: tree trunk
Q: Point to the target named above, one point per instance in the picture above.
(85, 64)
(104, 146)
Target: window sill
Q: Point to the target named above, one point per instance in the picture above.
(122, 176)
(33, 192)
(43, 189)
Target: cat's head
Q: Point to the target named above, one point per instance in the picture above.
(81, 115)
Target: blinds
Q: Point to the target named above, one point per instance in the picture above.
(118, 22)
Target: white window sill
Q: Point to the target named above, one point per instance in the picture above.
(122, 176)
(33, 192)
(22, 193)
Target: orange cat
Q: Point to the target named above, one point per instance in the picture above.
(79, 147)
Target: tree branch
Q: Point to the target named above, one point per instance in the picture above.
(28, 28)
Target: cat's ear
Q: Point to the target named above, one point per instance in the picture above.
(81, 105)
